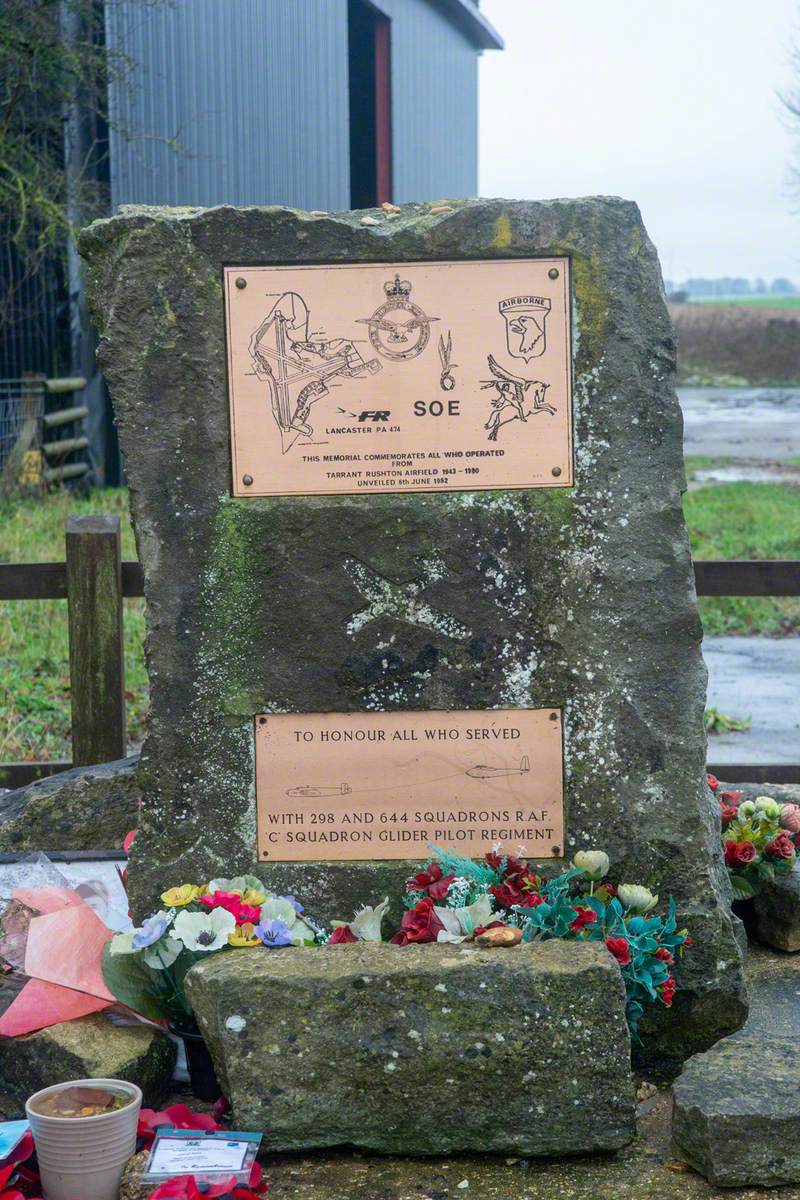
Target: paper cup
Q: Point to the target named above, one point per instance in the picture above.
(82, 1158)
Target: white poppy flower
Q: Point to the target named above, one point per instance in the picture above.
(461, 923)
(594, 862)
(639, 898)
(203, 931)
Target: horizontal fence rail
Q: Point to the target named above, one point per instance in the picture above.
(94, 578)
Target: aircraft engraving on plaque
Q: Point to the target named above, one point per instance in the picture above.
(336, 382)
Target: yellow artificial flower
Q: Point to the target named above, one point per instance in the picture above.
(254, 897)
(179, 897)
(244, 935)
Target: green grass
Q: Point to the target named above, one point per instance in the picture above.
(757, 301)
(742, 520)
(746, 520)
(34, 647)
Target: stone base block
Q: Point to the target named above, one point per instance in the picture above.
(777, 908)
(89, 1047)
(736, 1115)
(422, 1050)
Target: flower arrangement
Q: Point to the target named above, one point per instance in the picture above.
(760, 838)
(146, 966)
(454, 899)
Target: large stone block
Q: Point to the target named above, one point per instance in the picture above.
(777, 910)
(422, 1049)
(87, 808)
(89, 1047)
(736, 1115)
(580, 598)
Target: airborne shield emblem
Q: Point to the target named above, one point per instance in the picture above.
(525, 317)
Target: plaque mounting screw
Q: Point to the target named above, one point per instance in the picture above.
(241, 282)
(553, 716)
(555, 471)
(553, 274)
(248, 479)
(555, 849)
(262, 720)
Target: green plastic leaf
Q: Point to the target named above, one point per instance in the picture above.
(742, 890)
(133, 983)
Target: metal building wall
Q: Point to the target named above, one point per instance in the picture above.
(254, 91)
(434, 104)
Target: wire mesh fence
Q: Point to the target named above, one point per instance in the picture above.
(21, 411)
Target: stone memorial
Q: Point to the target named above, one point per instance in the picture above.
(419, 475)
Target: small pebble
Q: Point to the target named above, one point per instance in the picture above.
(464, 1184)
(390, 208)
(440, 208)
(370, 221)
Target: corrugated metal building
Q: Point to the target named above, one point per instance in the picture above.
(319, 104)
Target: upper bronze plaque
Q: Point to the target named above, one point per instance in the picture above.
(402, 377)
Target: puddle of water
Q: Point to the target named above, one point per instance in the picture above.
(752, 423)
(746, 475)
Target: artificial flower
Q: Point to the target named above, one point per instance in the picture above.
(620, 948)
(177, 1115)
(595, 863)
(769, 807)
(583, 916)
(341, 935)
(519, 889)
(366, 924)
(221, 899)
(295, 903)
(739, 854)
(203, 932)
(781, 846)
(244, 935)
(667, 990)
(730, 797)
(162, 954)
(633, 895)
(431, 882)
(239, 884)
(713, 782)
(122, 943)
(665, 955)
(254, 896)
(179, 897)
(747, 808)
(458, 924)
(284, 908)
(274, 932)
(729, 813)
(418, 924)
(790, 817)
(152, 929)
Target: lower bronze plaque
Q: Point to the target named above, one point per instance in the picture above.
(393, 377)
(387, 785)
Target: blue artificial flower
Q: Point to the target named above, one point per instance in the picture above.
(274, 933)
(296, 905)
(151, 930)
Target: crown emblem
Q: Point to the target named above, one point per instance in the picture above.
(399, 288)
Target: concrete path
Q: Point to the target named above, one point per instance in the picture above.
(756, 677)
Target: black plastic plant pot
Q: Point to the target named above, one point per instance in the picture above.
(202, 1076)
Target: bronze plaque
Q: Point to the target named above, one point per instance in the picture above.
(389, 785)
(403, 377)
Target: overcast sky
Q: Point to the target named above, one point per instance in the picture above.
(673, 104)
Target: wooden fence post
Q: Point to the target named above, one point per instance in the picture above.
(96, 663)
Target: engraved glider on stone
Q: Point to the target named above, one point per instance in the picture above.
(297, 368)
(400, 601)
(511, 402)
(525, 318)
(398, 329)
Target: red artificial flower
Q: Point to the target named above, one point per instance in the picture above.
(781, 847)
(584, 916)
(667, 990)
(687, 940)
(729, 813)
(739, 854)
(519, 888)
(620, 948)
(185, 1187)
(730, 797)
(713, 782)
(128, 840)
(418, 924)
(513, 866)
(177, 1115)
(491, 925)
(232, 903)
(221, 1109)
(342, 935)
(431, 882)
(664, 954)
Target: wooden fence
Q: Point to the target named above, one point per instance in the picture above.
(94, 580)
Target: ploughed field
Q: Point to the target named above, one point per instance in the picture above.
(741, 344)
